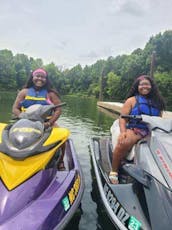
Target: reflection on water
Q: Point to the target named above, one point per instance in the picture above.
(84, 120)
(7, 100)
(74, 222)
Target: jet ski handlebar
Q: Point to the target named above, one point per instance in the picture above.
(135, 117)
(59, 105)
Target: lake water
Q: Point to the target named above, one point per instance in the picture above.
(84, 120)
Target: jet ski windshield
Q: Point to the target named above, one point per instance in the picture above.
(25, 133)
(39, 112)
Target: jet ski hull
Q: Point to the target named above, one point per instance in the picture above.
(47, 200)
(113, 196)
(143, 197)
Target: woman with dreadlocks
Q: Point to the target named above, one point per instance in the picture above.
(143, 98)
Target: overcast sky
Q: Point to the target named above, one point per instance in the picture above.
(69, 32)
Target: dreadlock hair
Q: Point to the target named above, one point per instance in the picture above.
(154, 94)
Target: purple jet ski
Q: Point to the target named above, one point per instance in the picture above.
(34, 193)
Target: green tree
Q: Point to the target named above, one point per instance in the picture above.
(7, 70)
(164, 82)
(113, 86)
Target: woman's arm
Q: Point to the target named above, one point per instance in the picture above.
(56, 101)
(161, 113)
(127, 107)
(16, 106)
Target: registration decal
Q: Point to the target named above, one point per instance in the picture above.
(117, 208)
(134, 224)
(74, 190)
(68, 200)
(66, 203)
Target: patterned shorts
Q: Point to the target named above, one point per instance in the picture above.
(141, 132)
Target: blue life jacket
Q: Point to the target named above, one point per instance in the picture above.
(34, 97)
(143, 106)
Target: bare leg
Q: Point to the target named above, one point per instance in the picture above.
(63, 151)
(61, 165)
(122, 149)
(61, 162)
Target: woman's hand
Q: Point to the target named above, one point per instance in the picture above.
(16, 106)
(122, 137)
(47, 125)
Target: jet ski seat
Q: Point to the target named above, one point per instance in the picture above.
(115, 131)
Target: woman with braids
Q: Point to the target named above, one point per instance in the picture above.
(38, 90)
(143, 98)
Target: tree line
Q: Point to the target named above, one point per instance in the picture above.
(111, 77)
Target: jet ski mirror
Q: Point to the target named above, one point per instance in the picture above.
(137, 173)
